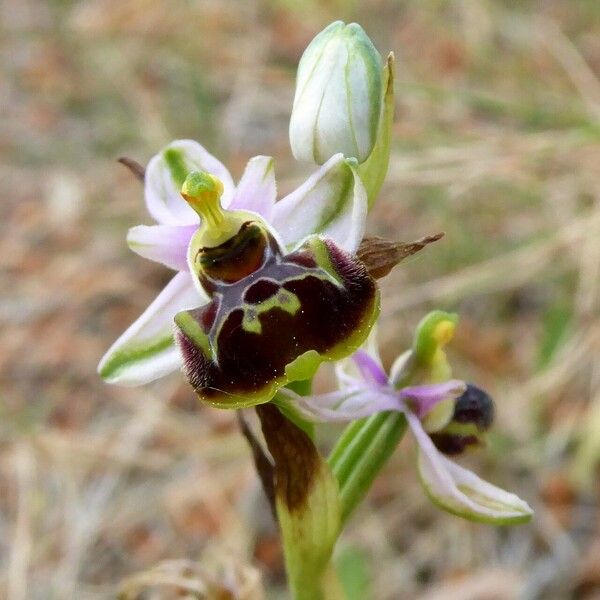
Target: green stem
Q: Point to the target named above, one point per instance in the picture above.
(332, 587)
(328, 587)
(360, 454)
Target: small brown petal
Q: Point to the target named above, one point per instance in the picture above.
(138, 170)
(380, 256)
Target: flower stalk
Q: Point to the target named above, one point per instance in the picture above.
(361, 452)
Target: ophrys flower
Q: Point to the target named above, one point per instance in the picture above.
(366, 389)
(331, 203)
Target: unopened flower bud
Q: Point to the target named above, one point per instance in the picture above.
(473, 416)
(337, 106)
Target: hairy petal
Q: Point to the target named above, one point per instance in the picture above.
(424, 398)
(341, 406)
(332, 202)
(257, 190)
(166, 173)
(348, 372)
(370, 368)
(166, 244)
(146, 351)
(461, 492)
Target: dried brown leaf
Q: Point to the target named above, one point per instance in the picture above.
(178, 578)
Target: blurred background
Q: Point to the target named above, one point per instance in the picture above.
(107, 490)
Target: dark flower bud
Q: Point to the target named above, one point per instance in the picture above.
(473, 416)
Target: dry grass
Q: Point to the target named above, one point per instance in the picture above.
(497, 143)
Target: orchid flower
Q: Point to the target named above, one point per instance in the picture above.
(330, 203)
(366, 389)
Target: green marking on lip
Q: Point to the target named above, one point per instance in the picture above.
(282, 299)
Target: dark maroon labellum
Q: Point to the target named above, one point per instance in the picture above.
(473, 416)
(452, 444)
(474, 406)
(272, 318)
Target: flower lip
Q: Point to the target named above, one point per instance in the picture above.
(474, 406)
(252, 349)
(369, 368)
(453, 445)
(473, 415)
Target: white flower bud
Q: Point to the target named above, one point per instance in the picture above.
(338, 98)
